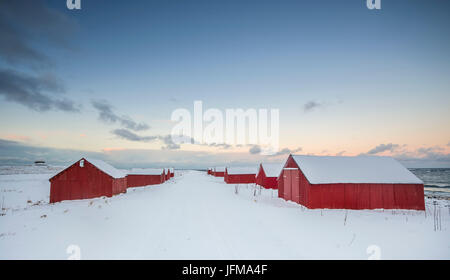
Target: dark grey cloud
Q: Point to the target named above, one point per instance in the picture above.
(219, 145)
(24, 24)
(189, 140)
(131, 136)
(15, 50)
(34, 92)
(16, 153)
(256, 149)
(287, 151)
(383, 148)
(425, 157)
(311, 105)
(106, 114)
(435, 153)
(169, 144)
(26, 29)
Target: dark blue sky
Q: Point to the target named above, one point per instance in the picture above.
(199, 45)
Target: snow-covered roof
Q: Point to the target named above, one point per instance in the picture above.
(272, 169)
(146, 171)
(219, 169)
(242, 170)
(359, 169)
(107, 168)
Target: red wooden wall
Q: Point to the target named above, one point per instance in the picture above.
(239, 178)
(134, 180)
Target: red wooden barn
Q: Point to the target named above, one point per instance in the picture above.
(267, 175)
(208, 171)
(167, 174)
(87, 178)
(219, 172)
(172, 172)
(240, 175)
(362, 182)
(164, 175)
(139, 177)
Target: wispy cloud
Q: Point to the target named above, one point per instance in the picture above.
(287, 151)
(383, 148)
(14, 153)
(169, 144)
(311, 105)
(433, 156)
(34, 92)
(131, 136)
(256, 149)
(215, 145)
(107, 115)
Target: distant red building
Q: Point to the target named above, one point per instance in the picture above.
(363, 182)
(240, 175)
(218, 172)
(144, 177)
(168, 174)
(267, 175)
(164, 175)
(87, 178)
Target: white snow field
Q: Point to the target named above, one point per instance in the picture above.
(197, 216)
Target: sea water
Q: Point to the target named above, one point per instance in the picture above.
(436, 180)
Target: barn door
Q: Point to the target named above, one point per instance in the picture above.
(291, 184)
(286, 184)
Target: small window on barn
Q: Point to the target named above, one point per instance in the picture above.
(82, 163)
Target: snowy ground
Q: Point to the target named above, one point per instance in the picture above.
(196, 216)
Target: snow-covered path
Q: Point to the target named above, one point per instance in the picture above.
(196, 216)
